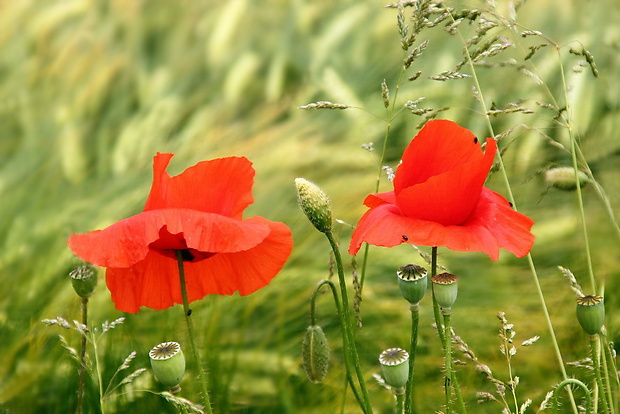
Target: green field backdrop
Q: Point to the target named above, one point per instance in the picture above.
(91, 90)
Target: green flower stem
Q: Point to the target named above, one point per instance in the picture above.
(190, 329)
(448, 359)
(346, 318)
(566, 383)
(415, 319)
(596, 365)
(457, 393)
(82, 370)
(345, 342)
(400, 398)
(611, 373)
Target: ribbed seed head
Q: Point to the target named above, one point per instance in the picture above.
(563, 178)
(315, 354)
(84, 280)
(446, 289)
(412, 282)
(315, 204)
(591, 313)
(395, 367)
(168, 363)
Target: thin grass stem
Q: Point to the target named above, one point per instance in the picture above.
(82, 369)
(190, 330)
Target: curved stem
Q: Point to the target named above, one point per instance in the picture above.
(415, 319)
(347, 324)
(345, 339)
(572, 381)
(190, 329)
(82, 370)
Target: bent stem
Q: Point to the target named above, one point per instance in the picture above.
(351, 349)
(345, 342)
(415, 319)
(190, 329)
(81, 372)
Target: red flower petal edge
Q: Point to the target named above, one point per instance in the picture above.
(200, 213)
(439, 199)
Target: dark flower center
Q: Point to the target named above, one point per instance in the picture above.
(168, 244)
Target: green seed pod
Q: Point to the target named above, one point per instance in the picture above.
(563, 178)
(446, 289)
(168, 363)
(412, 282)
(315, 204)
(395, 367)
(315, 354)
(591, 313)
(84, 280)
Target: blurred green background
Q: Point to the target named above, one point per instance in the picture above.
(91, 90)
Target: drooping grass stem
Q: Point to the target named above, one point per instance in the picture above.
(351, 349)
(190, 330)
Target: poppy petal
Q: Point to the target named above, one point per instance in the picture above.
(128, 241)
(222, 186)
(154, 282)
(493, 224)
(439, 147)
(449, 197)
(510, 228)
(374, 200)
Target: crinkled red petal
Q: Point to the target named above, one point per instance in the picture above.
(128, 241)
(154, 282)
(221, 186)
(492, 225)
(449, 197)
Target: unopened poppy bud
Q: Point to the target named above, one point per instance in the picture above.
(591, 313)
(446, 289)
(563, 178)
(315, 354)
(168, 363)
(84, 280)
(412, 282)
(395, 367)
(315, 204)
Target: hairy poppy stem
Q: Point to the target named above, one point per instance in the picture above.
(415, 319)
(347, 359)
(190, 329)
(81, 372)
(350, 347)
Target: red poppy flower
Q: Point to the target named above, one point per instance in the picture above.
(439, 199)
(200, 213)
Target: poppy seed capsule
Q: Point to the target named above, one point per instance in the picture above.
(315, 204)
(563, 178)
(168, 364)
(446, 289)
(412, 282)
(84, 280)
(315, 354)
(591, 313)
(395, 367)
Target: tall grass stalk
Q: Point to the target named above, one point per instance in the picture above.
(511, 198)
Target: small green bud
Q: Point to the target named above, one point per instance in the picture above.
(315, 204)
(591, 313)
(412, 282)
(84, 280)
(395, 367)
(315, 354)
(563, 178)
(446, 289)
(168, 363)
